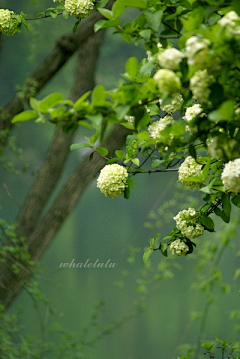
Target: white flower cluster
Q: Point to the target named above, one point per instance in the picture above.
(170, 58)
(8, 25)
(197, 51)
(157, 127)
(79, 8)
(112, 180)
(130, 119)
(186, 222)
(62, 2)
(199, 85)
(190, 168)
(192, 112)
(167, 81)
(150, 57)
(178, 247)
(231, 175)
(231, 21)
(174, 105)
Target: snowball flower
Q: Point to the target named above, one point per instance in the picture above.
(178, 247)
(112, 180)
(231, 21)
(199, 85)
(231, 175)
(167, 81)
(170, 58)
(190, 168)
(157, 127)
(192, 112)
(197, 51)
(8, 25)
(174, 105)
(62, 2)
(79, 8)
(186, 222)
(130, 119)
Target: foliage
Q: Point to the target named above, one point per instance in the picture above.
(203, 72)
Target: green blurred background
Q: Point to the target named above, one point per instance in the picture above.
(102, 228)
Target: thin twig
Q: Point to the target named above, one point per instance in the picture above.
(42, 17)
(157, 170)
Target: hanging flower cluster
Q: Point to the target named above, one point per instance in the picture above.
(112, 180)
(178, 247)
(187, 223)
(231, 175)
(170, 58)
(8, 24)
(156, 128)
(190, 168)
(167, 81)
(174, 105)
(79, 8)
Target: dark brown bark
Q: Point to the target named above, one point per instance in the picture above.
(46, 230)
(58, 152)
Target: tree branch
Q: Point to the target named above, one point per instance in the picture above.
(65, 47)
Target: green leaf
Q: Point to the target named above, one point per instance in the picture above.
(96, 119)
(146, 34)
(65, 14)
(121, 111)
(77, 23)
(192, 151)
(147, 254)
(153, 240)
(131, 67)
(236, 201)
(106, 13)
(156, 163)
(164, 248)
(120, 154)
(34, 103)
(102, 150)
(127, 193)
(192, 179)
(207, 222)
(101, 3)
(98, 95)
(57, 112)
(154, 19)
(118, 9)
(49, 101)
(102, 24)
(195, 19)
(205, 170)
(77, 106)
(224, 112)
(130, 182)
(226, 204)
(25, 116)
(136, 161)
(218, 212)
(76, 146)
(94, 137)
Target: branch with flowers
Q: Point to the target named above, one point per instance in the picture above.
(181, 102)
